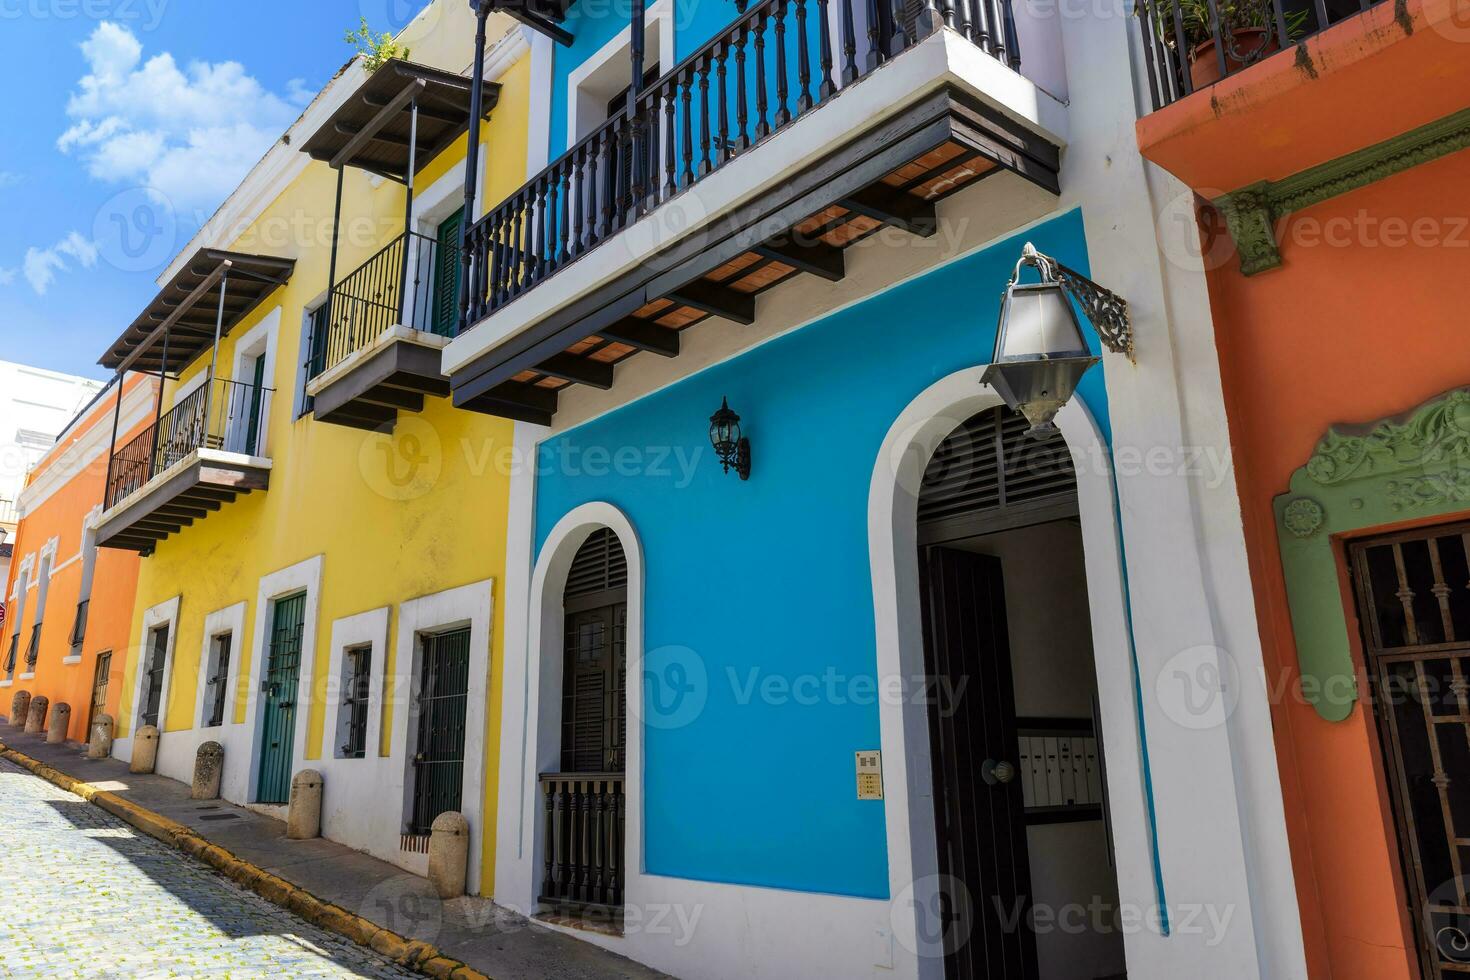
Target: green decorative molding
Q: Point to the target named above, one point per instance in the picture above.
(1410, 466)
(1252, 211)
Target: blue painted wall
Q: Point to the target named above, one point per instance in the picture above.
(770, 578)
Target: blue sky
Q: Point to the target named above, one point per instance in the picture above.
(118, 104)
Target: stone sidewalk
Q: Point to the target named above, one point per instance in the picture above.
(493, 940)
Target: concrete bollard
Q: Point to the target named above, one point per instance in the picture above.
(19, 706)
(59, 723)
(304, 812)
(145, 749)
(209, 762)
(99, 739)
(449, 852)
(36, 716)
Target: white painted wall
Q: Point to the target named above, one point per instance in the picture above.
(35, 406)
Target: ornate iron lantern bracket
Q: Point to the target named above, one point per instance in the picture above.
(1105, 309)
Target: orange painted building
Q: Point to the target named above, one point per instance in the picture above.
(69, 604)
(1331, 181)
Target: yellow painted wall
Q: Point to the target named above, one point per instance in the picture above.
(397, 517)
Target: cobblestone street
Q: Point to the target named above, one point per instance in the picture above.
(84, 895)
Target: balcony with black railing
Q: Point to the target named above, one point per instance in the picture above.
(737, 186)
(375, 345)
(1189, 45)
(198, 456)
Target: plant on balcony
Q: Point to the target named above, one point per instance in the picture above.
(1247, 30)
(376, 49)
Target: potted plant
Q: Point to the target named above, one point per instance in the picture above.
(1248, 32)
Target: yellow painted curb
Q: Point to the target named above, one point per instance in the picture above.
(412, 953)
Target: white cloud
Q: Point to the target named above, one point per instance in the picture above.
(190, 134)
(7, 276)
(42, 264)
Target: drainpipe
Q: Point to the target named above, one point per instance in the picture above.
(318, 352)
(112, 450)
(472, 157)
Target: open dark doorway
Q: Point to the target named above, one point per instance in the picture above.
(1021, 819)
(585, 802)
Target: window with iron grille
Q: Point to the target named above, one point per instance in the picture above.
(43, 585)
(10, 653)
(153, 678)
(79, 628)
(89, 567)
(100, 675)
(358, 670)
(219, 679)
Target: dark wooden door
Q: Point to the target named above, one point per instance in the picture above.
(1414, 604)
(278, 690)
(594, 694)
(153, 682)
(441, 702)
(978, 803)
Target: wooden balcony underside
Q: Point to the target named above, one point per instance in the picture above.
(192, 491)
(893, 175)
(371, 393)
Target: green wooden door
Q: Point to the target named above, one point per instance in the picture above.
(446, 275)
(255, 400)
(278, 693)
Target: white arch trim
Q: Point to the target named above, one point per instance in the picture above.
(541, 730)
(893, 550)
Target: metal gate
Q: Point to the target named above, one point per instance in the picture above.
(1413, 594)
(153, 682)
(443, 696)
(278, 690)
(100, 674)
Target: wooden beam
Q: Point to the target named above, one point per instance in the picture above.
(519, 392)
(578, 369)
(388, 396)
(896, 208)
(425, 111)
(394, 105)
(644, 335)
(815, 257)
(717, 300)
(158, 331)
(387, 138)
(486, 405)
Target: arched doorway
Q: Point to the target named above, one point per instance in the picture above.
(585, 800)
(1025, 857)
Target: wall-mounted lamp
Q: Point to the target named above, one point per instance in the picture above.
(731, 448)
(1040, 354)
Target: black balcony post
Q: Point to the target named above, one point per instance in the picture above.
(472, 158)
(637, 174)
(219, 323)
(318, 351)
(413, 162)
(112, 448)
(158, 409)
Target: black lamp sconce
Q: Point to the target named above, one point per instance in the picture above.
(731, 448)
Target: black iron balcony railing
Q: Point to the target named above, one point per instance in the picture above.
(585, 814)
(1191, 44)
(10, 653)
(774, 64)
(33, 649)
(79, 626)
(412, 281)
(225, 415)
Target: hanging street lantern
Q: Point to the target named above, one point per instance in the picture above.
(731, 448)
(1040, 352)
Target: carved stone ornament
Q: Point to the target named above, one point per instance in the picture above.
(1430, 447)
(1302, 517)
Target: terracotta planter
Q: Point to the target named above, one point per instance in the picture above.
(1204, 66)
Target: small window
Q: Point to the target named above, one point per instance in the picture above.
(219, 679)
(357, 670)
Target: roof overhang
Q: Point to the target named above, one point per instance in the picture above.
(179, 324)
(372, 130)
(542, 16)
